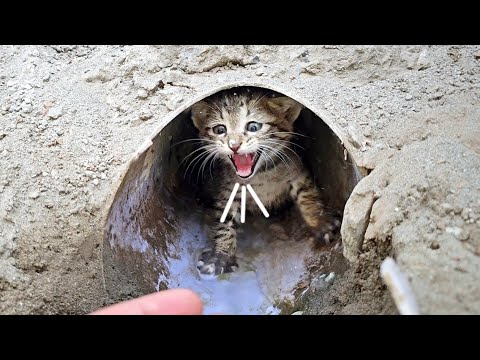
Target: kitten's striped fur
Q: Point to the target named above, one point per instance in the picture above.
(278, 175)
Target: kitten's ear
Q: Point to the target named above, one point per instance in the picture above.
(286, 106)
(200, 111)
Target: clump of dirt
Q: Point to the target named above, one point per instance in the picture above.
(408, 113)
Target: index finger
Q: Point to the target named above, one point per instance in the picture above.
(167, 302)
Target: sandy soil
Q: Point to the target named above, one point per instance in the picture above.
(72, 116)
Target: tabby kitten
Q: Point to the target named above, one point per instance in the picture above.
(252, 133)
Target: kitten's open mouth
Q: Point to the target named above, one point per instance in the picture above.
(244, 163)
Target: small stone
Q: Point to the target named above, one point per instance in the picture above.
(330, 278)
(457, 232)
(477, 250)
(465, 214)
(103, 176)
(447, 207)
(441, 225)
(34, 195)
(298, 313)
(49, 205)
(434, 245)
(142, 94)
(319, 283)
(95, 182)
(2, 136)
(146, 115)
(423, 61)
(477, 55)
(408, 97)
(436, 96)
(55, 112)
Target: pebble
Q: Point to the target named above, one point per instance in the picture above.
(142, 94)
(55, 112)
(477, 55)
(146, 115)
(408, 97)
(457, 232)
(34, 195)
(436, 96)
(95, 182)
(434, 245)
(298, 313)
(330, 278)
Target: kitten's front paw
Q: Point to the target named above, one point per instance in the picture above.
(328, 232)
(212, 263)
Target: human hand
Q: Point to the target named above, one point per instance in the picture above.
(166, 302)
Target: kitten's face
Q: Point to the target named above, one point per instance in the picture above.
(248, 130)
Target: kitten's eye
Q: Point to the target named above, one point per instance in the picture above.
(253, 126)
(219, 129)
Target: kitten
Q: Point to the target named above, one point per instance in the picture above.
(252, 133)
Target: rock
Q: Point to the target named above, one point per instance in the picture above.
(477, 250)
(298, 313)
(34, 195)
(457, 232)
(145, 115)
(55, 112)
(435, 96)
(330, 278)
(2, 136)
(477, 55)
(318, 283)
(355, 221)
(447, 207)
(142, 94)
(314, 68)
(408, 97)
(95, 182)
(434, 245)
(423, 61)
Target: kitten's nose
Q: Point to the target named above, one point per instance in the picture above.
(233, 145)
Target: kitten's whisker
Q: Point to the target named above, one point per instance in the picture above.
(193, 139)
(256, 101)
(205, 147)
(265, 138)
(291, 133)
(271, 159)
(213, 162)
(194, 161)
(283, 146)
(278, 154)
(204, 162)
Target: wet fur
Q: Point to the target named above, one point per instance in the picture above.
(277, 178)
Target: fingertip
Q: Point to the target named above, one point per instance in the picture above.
(190, 297)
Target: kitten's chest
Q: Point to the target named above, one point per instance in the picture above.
(271, 189)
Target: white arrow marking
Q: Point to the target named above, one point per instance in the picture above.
(243, 204)
(229, 203)
(257, 200)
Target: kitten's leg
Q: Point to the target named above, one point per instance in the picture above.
(220, 259)
(307, 197)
